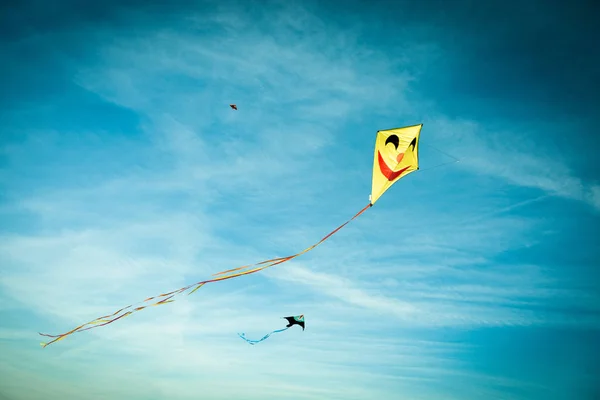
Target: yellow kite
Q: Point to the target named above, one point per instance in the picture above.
(396, 155)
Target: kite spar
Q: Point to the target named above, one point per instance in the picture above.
(396, 155)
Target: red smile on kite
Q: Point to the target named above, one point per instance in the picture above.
(388, 172)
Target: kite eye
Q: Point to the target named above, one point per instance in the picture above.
(413, 144)
(393, 139)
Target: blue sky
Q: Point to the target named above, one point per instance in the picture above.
(124, 174)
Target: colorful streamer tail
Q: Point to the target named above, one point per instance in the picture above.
(170, 296)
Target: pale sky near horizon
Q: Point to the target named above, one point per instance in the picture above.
(124, 173)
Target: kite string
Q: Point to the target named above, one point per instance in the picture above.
(456, 160)
(443, 152)
(102, 321)
(439, 165)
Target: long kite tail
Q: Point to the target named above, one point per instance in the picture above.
(253, 342)
(169, 297)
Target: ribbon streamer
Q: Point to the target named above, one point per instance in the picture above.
(220, 276)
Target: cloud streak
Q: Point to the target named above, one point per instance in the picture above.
(186, 187)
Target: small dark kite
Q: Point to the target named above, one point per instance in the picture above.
(296, 320)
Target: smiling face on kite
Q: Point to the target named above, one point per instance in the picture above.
(393, 156)
(396, 155)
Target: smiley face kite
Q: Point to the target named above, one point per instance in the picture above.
(396, 155)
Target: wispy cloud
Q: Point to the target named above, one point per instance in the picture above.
(100, 219)
(508, 153)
